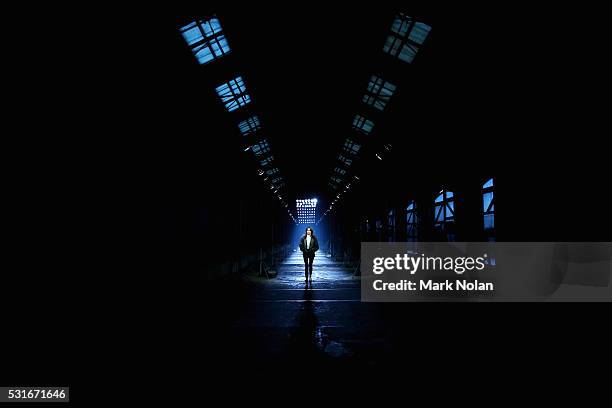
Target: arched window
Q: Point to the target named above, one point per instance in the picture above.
(391, 226)
(444, 213)
(411, 221)
(488, 204)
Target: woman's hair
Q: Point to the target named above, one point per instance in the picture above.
(306, 231)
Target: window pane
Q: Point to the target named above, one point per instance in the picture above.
(249, 126)
(205, 39)
(400, 26)
(486, 201)
(392, 45)
(451, 206)
(379, 93)
(439, 213)
(489, 221)
(233, 94)
(419, 32)
(192, 35)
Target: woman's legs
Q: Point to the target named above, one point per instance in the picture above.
(308, 259)
(306, 265)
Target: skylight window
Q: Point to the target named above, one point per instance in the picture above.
(345, 160)
(340, 171)
(406, 37)
(261, 148)
(249, 126)
(233, 94)
(379, 93)
(266, 161)
(351, 147)
(362, 124)
(205, 39)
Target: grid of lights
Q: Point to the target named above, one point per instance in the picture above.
(306, 210)
(206, 40)
(406, 38)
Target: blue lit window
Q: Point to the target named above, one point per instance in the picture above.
(266, 161)
(379, 226)
(444, 208)
(412, 221)
(205, 39)
(272, 172)
(406, 37)
(249, 126)
(336, 179)
(391, 226)
(334, 183)
(233, 94)
(351, 147)
(362, 124)
(379, 93)
(277, 183)
(261, 148)
(340, 171)
(488, 204)
(345, 160)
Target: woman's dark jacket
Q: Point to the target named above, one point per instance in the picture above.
(314, 245)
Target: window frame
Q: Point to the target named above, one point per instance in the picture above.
(210, 42)
(233, 94)
(360, 122)
(402, 43)
(447, 203)
(249, 126)
(412, 221)
(490, 210)
(374, 94)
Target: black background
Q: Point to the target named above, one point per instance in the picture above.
(510, 90)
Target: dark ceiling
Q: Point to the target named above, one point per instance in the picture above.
(306, 69)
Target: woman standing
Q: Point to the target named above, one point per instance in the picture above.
(309, 245)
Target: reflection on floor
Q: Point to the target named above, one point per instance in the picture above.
(282, 326)
(322, 323)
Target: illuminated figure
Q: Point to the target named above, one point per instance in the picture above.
(309, 245)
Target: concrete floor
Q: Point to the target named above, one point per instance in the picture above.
(282, 325)
(287, 321)
(281, 329)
